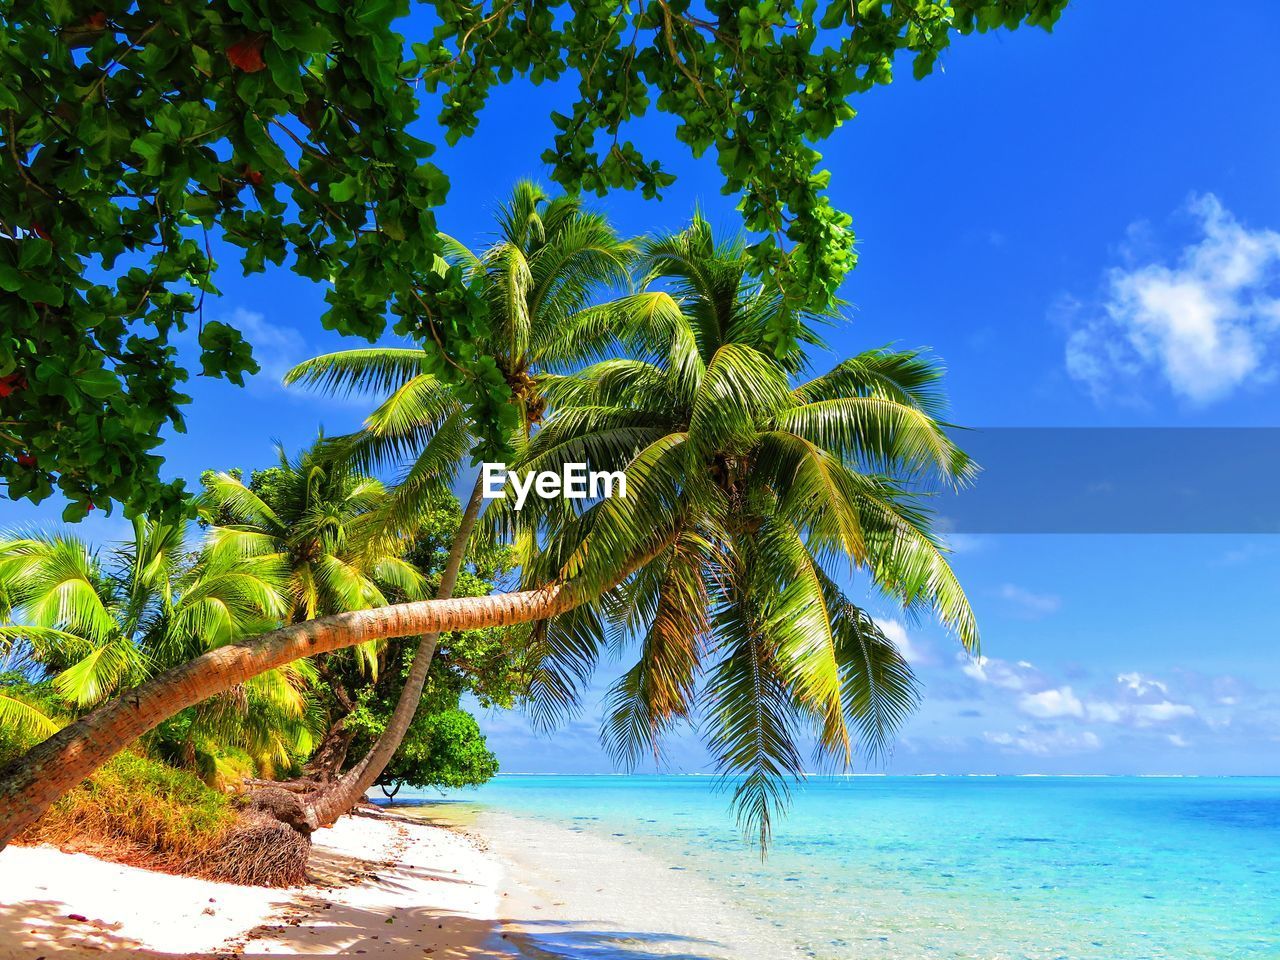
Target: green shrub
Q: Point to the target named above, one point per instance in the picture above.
(139, 811)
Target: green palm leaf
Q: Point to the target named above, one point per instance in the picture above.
(669, 601)
(101, 673)
(23, 720)
(878, 689)
(368, 370)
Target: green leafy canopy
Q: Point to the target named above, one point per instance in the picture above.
(132, 132)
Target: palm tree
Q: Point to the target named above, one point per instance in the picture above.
(95, 627)
(24, 720)
(540, 281)
(746, 487)
(315, 516)
(767, 486)
(30, 784)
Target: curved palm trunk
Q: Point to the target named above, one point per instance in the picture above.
(325, 765)
(30, 784)
(333, 801)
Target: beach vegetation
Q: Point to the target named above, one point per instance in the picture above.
(756, 486)
(293, 132)
(84, 624)
(139, 811)
(548, 285)
(487, 664)
(443, 750)
(314, 515)
(28, 713)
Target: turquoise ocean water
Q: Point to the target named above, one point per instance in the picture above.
(954, 867)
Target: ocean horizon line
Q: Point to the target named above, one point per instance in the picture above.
(914, 776)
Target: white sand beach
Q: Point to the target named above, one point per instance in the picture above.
(381, 887)
(390, 885)
(580, 894)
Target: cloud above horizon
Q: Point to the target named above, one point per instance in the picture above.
(1025, 710)
(276, 348)
(1206, 322)
(913, 651)
(1133, 699)
(990, 715)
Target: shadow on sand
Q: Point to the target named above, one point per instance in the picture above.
(39, 928)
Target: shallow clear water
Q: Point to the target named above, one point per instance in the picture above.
(968, 867)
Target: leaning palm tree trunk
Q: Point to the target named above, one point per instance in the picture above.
(34, 781)
(332, 801)
(30, 785)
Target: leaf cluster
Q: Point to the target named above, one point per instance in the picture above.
(133, 133)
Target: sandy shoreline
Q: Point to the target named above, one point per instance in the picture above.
(381, 886)
(576, 891)
(395, 884)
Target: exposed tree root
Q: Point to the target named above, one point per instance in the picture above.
(259, 850)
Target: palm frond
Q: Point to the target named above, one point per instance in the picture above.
(750, 724)
(368, 370)
(23, 720)
(742, 388)
(667, 600)
(880, 434)
(563, 652)
(878, 689)
(904, 376)
(103, 672)
(226, 492)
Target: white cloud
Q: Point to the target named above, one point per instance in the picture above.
(913, 651)
(1101, 712)
(1043, 743)
(1143, 701)
(1000, 673)
(1059, 702)
(1134, 700)
(1162, 712)
(1138, 714)
(276, 348)
(1205, 323)
(1178, 740)
(1028, 604)
(1141, 685)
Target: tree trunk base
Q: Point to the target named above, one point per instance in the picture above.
(259, 851)
(326, 763)
(270, 843)
(280, 804)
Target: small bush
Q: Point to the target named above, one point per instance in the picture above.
(138, 811)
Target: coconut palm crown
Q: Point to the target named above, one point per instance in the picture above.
(97, 625)
(541, 280)
(314, 516)
(755, 490)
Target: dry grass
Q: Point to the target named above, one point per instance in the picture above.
(137, 811)
(147, 814)
(260, 851)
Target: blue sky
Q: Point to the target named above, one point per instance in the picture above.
(1086, 228)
